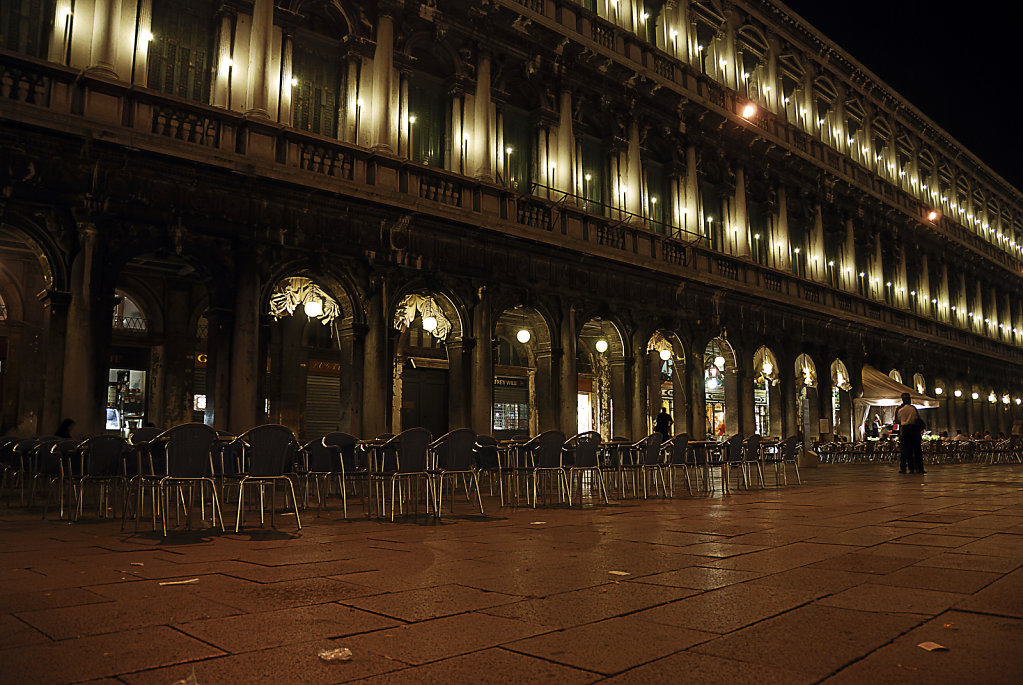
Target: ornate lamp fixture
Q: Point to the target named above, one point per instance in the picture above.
(290, 293)
(434, 321)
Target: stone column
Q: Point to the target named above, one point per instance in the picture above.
(260, 54)
(564, 178)
(287, 69)
(352, 369)
(620, 404)
(568, 375)
(697, 397)
(220, 323)
(745, 374)
(55, 313)
(484, 133)
(383, 59)
(482, 396)
(634, 174)
(246, 369)
(790, 422)
(459, 399)
(377, 379)
(85, 364)
(222, 80)
(739, 231)
(106, 28)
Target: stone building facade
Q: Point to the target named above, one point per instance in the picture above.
(508, 215)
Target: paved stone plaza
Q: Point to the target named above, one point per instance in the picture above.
(837, 580)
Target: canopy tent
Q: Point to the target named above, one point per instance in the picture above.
(880, 390)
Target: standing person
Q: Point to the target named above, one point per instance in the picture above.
(662, 424)
(874, 429)
(911, 428)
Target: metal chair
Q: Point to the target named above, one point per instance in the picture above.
(453, 455)
(545, 454)
(407, 451)
(676, 451)
(100, 461)
(488, 461)
(646, 458)
(182, 457)
(267, 454)
(730, 458)
(584, 452)
(787, 454)
(351, 469)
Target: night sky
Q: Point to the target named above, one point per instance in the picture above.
(951, 61)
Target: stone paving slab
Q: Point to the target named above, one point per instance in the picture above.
(836, 579)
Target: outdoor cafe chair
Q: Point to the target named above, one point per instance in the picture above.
(352, 470)
(545, 456)
(321, 463)
(749, 458)
(48, 464)
(453, 456)
(403, 463)
(583, 450)
(646, 461)
(787, 454)
(182, 457)
(100, 461)
(267, 455)
(675, 456)
(488, 461)
(730, 458)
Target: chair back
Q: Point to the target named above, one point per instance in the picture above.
(650, 454)
(585, 449)
(732, 448)
(454, 450)
(788, 448)
(485, 452)
(751, 448)
(320, 458)
(412, 444)
(143, 435)
(103, 455)
(269, 450)
(346, 443)
(677, 448)
(42, 457)
(187, 451)
(546, 449)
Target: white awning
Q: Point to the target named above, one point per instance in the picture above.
(879, 390)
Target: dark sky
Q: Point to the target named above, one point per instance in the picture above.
(951, 61)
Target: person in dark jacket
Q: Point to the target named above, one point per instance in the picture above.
(662, 424)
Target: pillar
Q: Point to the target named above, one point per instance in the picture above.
(260, 54)
(55, 313)
(83, 396)
(745, 374)
(790, 422)
(105, 32)
(484, 134)
(377, 379)
(697, 397)
(459, 399)
(481, 397)
(383, 59)
(244, 397)
(622, 371)
(220, 323)
(568, 376)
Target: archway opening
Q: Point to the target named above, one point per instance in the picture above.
(766, 393)
(600, 362)
(806, 396)
(664, 374)
(522, 374)
(720, 388)
(841, 402)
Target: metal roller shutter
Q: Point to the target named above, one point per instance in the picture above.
(322, 406)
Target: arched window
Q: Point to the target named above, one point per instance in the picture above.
(753, 49)
(925, 174)
(881, 140)
(429, 105)
(181, 52)
(711, 56)
(128, 315)
(904, 154)
(826, 100)
(791, 75)
(25, 26)
(856, 138)
(316, 75)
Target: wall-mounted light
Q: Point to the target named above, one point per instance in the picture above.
(749, 110)
(958, 393)
(522, 336)
(938, 391)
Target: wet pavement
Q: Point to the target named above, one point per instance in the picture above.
(837, 580)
